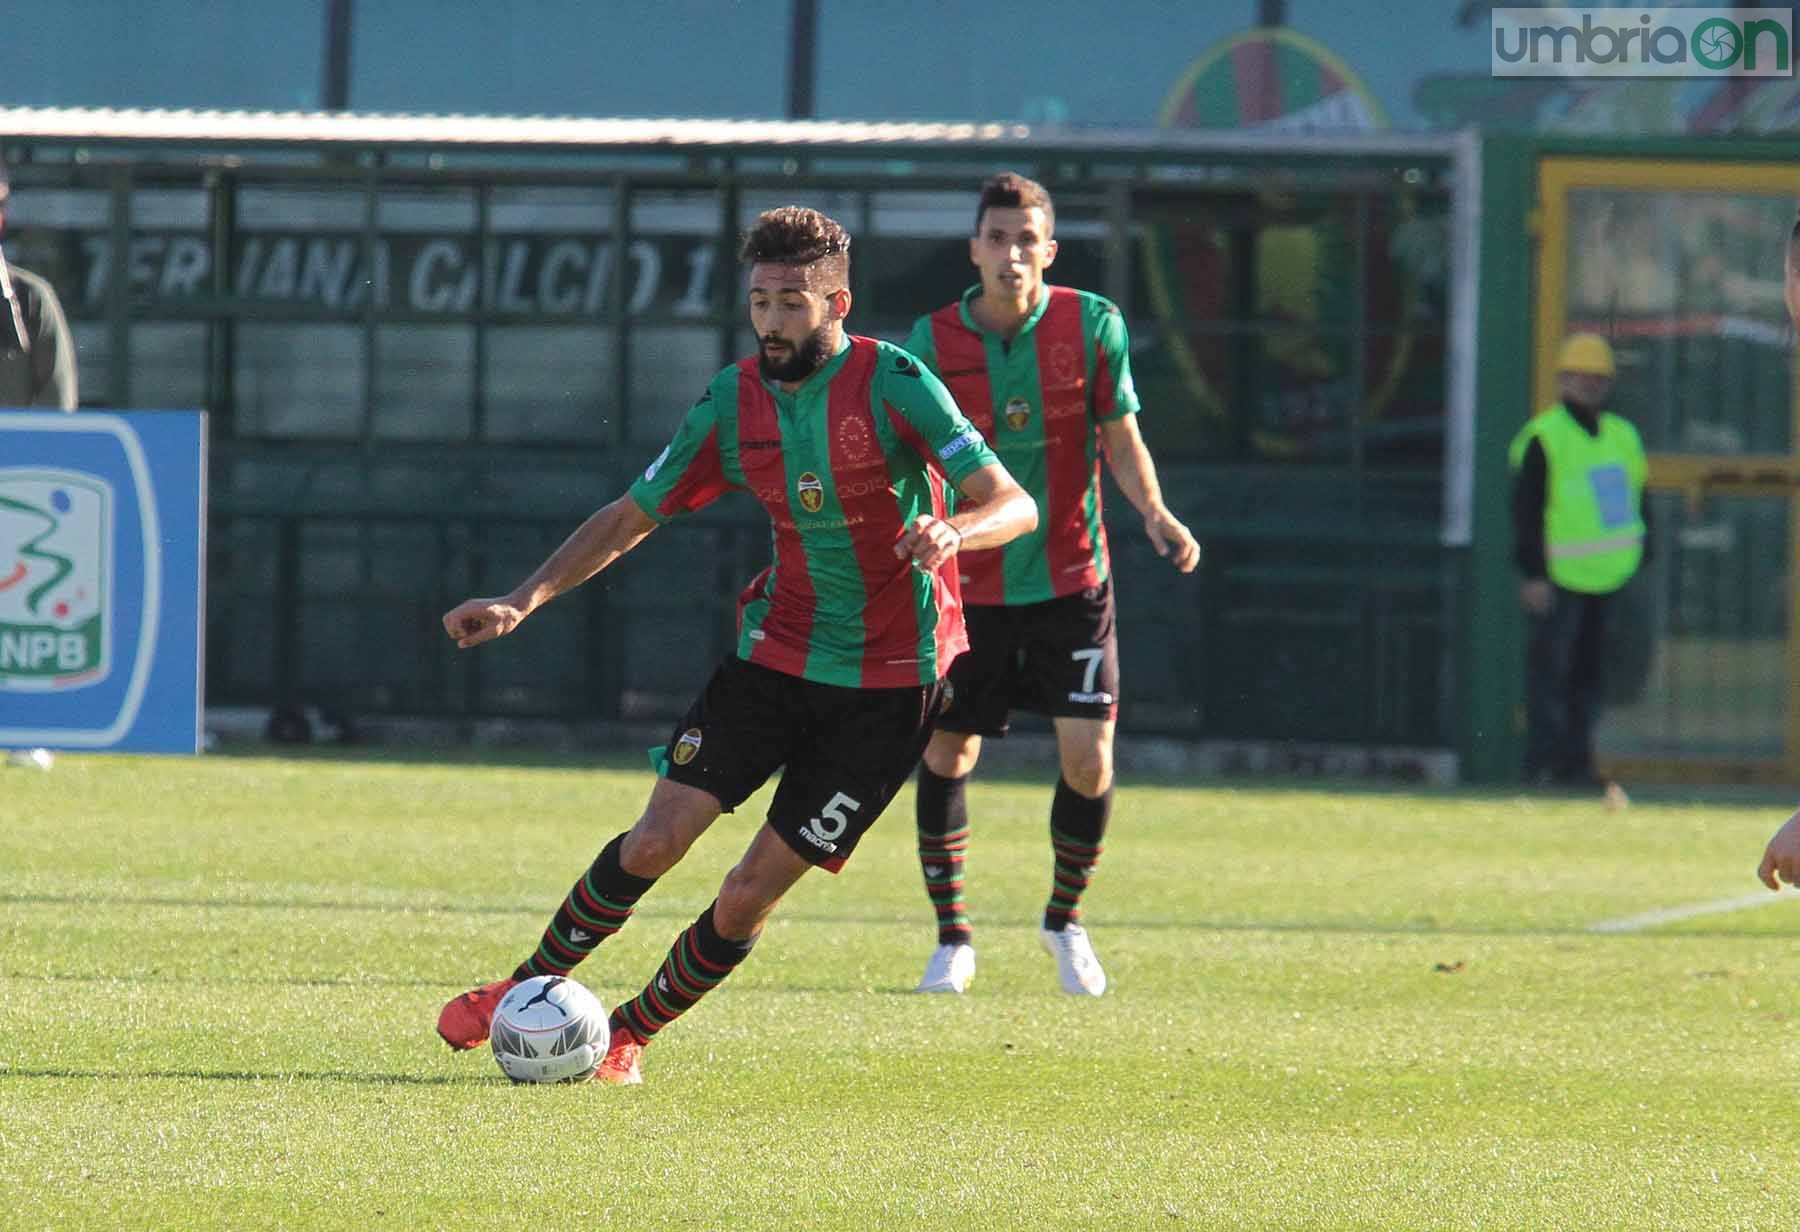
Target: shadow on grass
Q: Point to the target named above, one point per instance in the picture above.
(999, 773)
(297, 904)
(1675, 929)
(227, 1075)
(233, 979)
(496, 758)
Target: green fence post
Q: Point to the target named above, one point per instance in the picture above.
(1490, 631)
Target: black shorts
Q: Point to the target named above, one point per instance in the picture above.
(1059, 657)
(846, 751)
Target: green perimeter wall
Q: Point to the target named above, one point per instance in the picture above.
(377, 456)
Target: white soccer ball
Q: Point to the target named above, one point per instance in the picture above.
(549, 1029)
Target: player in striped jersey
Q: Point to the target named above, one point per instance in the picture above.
(1045, 373)
(851, 447)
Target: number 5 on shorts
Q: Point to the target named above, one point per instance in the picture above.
(1093, 658)
(834, 810)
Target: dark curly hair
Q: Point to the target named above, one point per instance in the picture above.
(1011, 191)
(795, 235)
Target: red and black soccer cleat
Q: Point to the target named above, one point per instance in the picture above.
(620, 1065)
(464, 1020)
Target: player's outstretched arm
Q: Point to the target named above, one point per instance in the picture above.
(1128, 458)
(1781, 860)
(598, 542)
(993, 510)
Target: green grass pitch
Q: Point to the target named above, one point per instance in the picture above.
(1330, 1008)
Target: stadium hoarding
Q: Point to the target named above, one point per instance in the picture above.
(102, 548)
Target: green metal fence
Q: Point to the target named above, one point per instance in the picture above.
(424, 366)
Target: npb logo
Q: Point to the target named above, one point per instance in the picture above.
(102, 570)
(56, 554)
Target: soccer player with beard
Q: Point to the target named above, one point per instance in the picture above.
(851, 447)
(1045, 373)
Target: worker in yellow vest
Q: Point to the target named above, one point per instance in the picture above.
(1579, 536)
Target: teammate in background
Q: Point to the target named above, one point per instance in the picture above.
(1579, 536)
(851, 447)
(1781, 859)
(37, 366)
(1045, 373)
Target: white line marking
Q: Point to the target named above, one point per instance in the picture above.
(1719, 906)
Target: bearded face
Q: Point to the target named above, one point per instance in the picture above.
(797, 312)
(780, 360)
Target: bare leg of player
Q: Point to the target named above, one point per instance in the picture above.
(705, 953)
(597, 905)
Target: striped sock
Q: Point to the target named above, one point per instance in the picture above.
(597, 907)
(698, 962)
(943, 817)
(1077, 824)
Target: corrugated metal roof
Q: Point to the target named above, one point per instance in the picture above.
(94, 125)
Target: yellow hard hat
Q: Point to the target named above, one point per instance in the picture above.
(1587, 353)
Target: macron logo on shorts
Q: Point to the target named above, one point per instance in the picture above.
(1105, 699)
(958, 444)
(816, 841)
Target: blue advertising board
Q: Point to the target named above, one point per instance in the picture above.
(102, 571)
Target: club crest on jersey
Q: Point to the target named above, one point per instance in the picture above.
(1018, 413)
(812, 492)
(1062, 360)
(855, 440)
(686, 747)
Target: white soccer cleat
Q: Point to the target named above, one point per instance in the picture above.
(1076, 963)
(951, 969)
(31, 759)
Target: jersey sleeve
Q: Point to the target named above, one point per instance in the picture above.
(928, 416)
(922, 343)
(689, 473)
(1114, 394)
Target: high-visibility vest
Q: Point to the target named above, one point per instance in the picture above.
(1593, 499)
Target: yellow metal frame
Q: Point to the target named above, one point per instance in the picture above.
(1691, 474)
(1557, 177)
(1750, 770)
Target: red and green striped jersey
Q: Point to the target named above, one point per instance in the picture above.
(842, 465)
(1040, 401)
